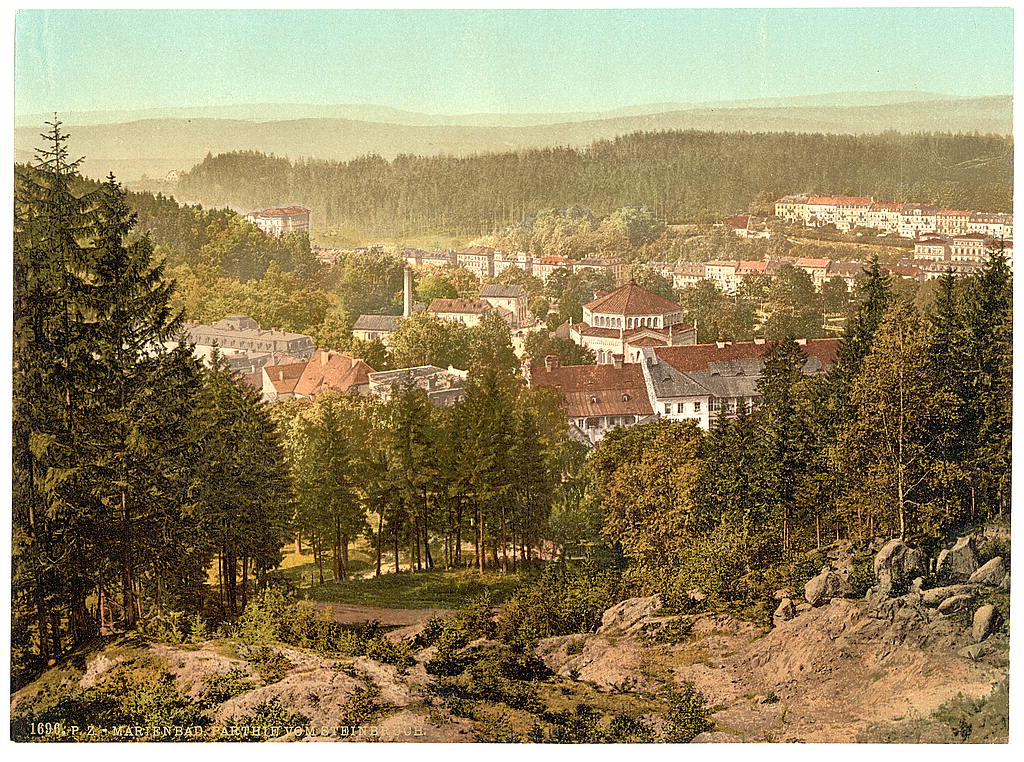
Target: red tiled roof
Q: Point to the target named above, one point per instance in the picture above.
(554, 260)
(285, 211)
(285, 377)
(931, 242)
(886, 206)
(474, 306)
(953, 213)
(697, 356)
(595, 390)
(646, 341)
(973, 236)
(811, 262)
(331, 370)
(632, 299)
(738, 221)
(854, 200)
(751, 266)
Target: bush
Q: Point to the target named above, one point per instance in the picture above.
(269, 663)
(688, 716)
(269, 720)
(565, 599)
(262, 620)
(133, 694)
(220, 688)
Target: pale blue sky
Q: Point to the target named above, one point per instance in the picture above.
(499, 61)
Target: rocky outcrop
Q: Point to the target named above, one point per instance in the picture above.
(629, 615)
(990, 573)
(937, 595)
(896, 566)
(955, 603)
(823, 588)
(785, 611)
(986, 618)
(959, 562)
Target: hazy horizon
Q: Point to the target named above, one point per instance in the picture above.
(500, 62)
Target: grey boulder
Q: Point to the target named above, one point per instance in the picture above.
(823, 588)
(990, 573)
(896, 566)
(958, 562)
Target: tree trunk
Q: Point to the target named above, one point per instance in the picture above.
(380, 540)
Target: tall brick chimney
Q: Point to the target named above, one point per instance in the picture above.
(407, 290)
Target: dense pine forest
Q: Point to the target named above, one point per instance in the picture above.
(681, 176)
(156, 495)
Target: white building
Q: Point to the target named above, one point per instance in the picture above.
(628, 319)
(281, 221)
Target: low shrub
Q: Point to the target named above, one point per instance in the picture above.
(220, 688)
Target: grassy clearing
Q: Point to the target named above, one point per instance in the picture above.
(445, 589)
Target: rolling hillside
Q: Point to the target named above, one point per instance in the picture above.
(155, 146)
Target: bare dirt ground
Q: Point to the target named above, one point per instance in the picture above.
(347, 613)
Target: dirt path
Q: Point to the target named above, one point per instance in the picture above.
(351, 614)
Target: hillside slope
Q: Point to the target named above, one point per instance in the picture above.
(156, 146)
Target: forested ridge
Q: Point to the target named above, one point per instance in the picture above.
(681, 175)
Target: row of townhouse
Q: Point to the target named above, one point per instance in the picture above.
(909, 220)
(964, 247)
(486, 262)
(698, 383)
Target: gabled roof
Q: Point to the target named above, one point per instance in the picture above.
(597, 390)
(886, 206)
(751, 266)
(381, 323)
(811, 262)
(285, 211)
(331, 370)
(474, 306)
(284, 377)
(699, 356)
(632, 299)
(498, 291)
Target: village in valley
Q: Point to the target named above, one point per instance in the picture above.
(577, 420)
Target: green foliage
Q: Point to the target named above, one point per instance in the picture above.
(688, 715)
(565, 599)
(680, 174)
(221, 687)
(132, 694)
(267, 720)
(959, 720)
(541, 344)
(270, 664)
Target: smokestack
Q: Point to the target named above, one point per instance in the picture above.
(407, 302)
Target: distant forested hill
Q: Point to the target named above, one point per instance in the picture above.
(682, 176)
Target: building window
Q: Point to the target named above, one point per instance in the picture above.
(696, 407)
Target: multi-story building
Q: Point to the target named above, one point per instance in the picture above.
(281, 221)
(479, 260)
(466, 311)
(444, 388)
(596, 398)
(853, 212)
(702, 382)
(444, 258)
(723, 274)
(621, 323)
(885, 215)
(934, 248)
(917, 219)
(514, 299)
(969, 247)
(504, 260)
(821, 210)
(848, 272)
(544, 266)
(792, 208)
(747, 268)
(686, 274)
(371, 327)
(952, 221)
(243, 333)
(992, 225)
(813, 266)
